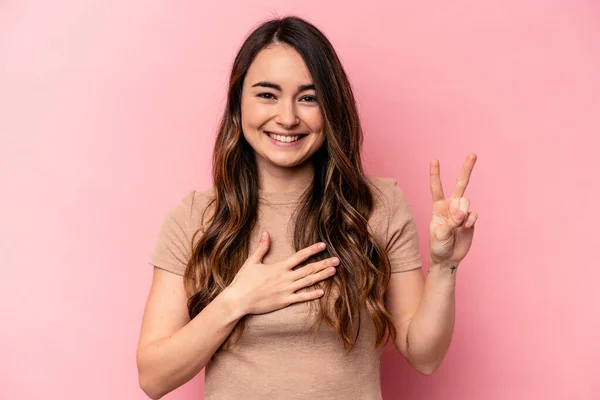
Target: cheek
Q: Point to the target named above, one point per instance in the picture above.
(253, 114)
(313, 118)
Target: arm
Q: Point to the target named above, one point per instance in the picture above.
(427, 320)
(450, 237)
(423, 315)
(172, 349)
(430, 330)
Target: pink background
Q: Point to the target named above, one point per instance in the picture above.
(108, 112)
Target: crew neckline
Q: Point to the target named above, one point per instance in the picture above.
(291, 196)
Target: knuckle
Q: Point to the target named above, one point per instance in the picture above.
(302, 282)
(279, 275)
(299, 257)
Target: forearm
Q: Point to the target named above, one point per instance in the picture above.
(430, 330)
(166, 364)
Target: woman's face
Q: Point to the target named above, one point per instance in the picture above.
(278, 98)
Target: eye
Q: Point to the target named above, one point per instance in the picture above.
(310, 99)
(266, 95)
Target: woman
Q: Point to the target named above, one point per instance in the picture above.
(277, 316)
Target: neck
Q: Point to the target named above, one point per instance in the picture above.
(278, 179)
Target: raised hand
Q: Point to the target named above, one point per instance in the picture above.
(452, 223)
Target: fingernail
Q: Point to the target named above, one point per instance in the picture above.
(457, 217)
(263, 235)
(322, 245)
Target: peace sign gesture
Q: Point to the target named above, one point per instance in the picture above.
(452, 224)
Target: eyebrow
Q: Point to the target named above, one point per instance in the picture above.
(301, 88)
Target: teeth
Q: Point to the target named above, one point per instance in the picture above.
(284, 139)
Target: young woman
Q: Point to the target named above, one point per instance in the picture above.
(302, 311)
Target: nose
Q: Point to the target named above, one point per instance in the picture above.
(286, 114)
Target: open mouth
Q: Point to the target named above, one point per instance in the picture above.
(285, 139)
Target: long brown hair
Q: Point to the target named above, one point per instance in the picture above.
(334, 209)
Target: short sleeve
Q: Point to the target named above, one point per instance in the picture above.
(402, 243)
(173, 247)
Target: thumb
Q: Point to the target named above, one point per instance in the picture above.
(452, 223)
(262, 248)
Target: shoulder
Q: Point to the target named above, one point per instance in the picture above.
(200, 201)
(201, 204)
(381, 184)
(390, 202)
(190, 209)
(386, 192)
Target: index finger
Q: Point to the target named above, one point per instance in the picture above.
(435, 183)
(303, 255)
(465, 174)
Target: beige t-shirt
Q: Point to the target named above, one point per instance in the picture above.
(277, 357)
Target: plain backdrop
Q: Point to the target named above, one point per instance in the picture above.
(108, 113)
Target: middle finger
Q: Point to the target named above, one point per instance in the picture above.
(465, 174)
(314, 268)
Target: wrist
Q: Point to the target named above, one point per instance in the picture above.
(443, 269)
(235, 305)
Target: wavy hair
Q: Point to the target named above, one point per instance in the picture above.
(334, 208)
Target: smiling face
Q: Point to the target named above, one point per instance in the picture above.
(278, 97)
